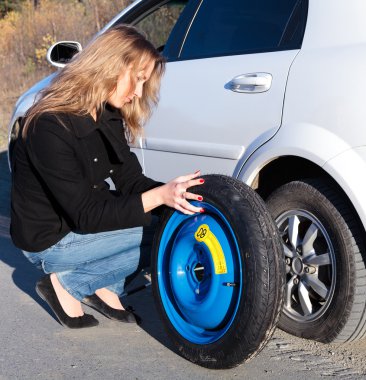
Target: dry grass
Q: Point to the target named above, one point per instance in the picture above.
(26, 35)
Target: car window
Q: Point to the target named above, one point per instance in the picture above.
(158, 25)
(244, 26)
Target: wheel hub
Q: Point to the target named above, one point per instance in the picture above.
(200, 258)
(298, 266)
(199, 272)
(310, 265)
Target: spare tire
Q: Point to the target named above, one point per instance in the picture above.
(218, 277)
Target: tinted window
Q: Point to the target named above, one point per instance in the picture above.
(158, 25)
(244, 26)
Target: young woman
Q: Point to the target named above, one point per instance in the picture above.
(66, 220)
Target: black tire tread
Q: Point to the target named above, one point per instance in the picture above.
(353, 324)
(269, 281)
(274, 303)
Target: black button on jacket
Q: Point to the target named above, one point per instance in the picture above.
(58, 180)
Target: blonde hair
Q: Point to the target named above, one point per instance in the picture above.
(84, 85)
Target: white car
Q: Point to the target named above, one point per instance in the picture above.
(270, 92)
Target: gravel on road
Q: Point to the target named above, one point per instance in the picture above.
(35, 346)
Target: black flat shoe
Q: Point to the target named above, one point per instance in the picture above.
(117, 315)
(45, 290)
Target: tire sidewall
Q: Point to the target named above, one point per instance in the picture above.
(324, 328)
(211, 354)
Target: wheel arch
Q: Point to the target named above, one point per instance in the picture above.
(283, 169)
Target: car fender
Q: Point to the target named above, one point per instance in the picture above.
(348, 170)
(345, 164)
(24, 102)
(27, 99)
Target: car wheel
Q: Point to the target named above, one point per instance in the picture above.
(325, 290)
(218, 276)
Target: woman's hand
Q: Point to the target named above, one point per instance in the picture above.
(174, 194)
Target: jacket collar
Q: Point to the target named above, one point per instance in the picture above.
(84, 125)
(109, 123)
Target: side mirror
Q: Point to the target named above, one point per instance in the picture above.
(61, 52)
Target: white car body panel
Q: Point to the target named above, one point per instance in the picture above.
(24, 102)
(314, 109)
(211, 120)
(325, 26)
(349, 169)
(324, 107)
(334, 155)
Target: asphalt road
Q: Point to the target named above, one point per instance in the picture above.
(35, 346)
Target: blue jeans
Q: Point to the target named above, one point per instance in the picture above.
(84, 263)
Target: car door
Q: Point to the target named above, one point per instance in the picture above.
(223, 91)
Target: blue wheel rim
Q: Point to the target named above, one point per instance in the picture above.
(199, 274)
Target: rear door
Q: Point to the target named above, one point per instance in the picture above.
(222, 94)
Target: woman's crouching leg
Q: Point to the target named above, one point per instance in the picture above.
(109, 272)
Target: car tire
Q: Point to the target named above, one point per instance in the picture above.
(325, 291)
(219, 299)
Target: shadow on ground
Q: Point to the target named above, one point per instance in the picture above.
(25, 275)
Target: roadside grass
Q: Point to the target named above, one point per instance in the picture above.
(26, 35)
(8, 98)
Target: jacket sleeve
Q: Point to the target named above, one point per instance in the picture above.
(129, 179)
(53, 152)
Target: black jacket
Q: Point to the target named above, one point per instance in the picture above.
(58, 180)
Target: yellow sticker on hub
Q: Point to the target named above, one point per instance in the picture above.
(204, 235)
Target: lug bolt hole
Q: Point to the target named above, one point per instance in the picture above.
(199, 271)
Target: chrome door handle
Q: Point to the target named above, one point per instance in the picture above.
(252, 82)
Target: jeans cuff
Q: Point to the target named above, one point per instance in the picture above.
(73, 293)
